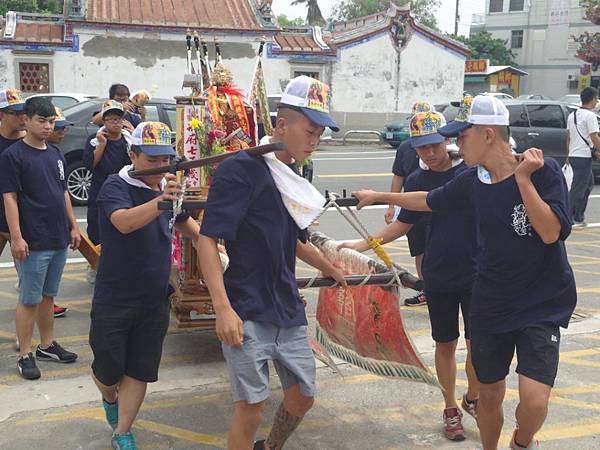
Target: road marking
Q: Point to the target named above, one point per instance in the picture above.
(67, 276)
(588, 290)
(181, 433)
(579, 362)
(583, 256)
(580, 353)
(574, 390)
(586, 271)
(570, 431)
(551, 432)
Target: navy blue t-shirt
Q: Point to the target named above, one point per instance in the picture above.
(521, 280)
(245, 209)
(450, 260)
(113, 159)
(38, 178)
(134, 268)
(4, 144)
(406, 160)
(133, 118)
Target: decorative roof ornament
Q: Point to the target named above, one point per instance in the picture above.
(401, 31)
(317, 34)
(264, 6)
(11, 25)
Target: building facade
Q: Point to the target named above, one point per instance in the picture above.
(377, 66)
(540, 34)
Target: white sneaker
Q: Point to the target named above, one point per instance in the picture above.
(533, 445)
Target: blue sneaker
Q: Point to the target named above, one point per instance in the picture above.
(123, 442)
(111, 410)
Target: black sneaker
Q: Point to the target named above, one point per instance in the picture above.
(27, 367)
(259, 445)
(417, 300)
(55, 353)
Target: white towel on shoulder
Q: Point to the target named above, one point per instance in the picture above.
(301, 199)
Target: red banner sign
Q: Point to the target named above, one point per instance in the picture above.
(476, 66)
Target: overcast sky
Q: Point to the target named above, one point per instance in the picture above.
(445, 14)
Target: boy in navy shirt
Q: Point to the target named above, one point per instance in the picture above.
(42, 225)
(61, 125)
(12, 129)
(12, 118)
(525, 289)
(104, 154)
(130, 307)
(260, 315)
(405, 163)
(449, 263)
(120, 93)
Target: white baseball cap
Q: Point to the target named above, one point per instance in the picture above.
(484, 110)
(311, 97)
(11, 99)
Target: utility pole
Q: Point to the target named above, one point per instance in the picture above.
(456, 18)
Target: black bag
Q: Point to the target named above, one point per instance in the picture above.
(594, 150)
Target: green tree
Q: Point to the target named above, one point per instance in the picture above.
(284, 21)
(484, 46)
(313, 15)
(423, 10)
(32, 6)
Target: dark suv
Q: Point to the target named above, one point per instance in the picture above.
(542, 124)
(78, 176)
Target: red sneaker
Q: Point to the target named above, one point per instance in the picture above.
(59, 311)
(453, 428)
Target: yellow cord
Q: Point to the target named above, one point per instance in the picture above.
(375, 245)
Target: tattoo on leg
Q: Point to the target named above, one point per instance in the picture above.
(284, 425)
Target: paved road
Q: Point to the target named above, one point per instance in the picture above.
(189, 407)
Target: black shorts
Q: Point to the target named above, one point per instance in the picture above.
(417, 238)
(443, 314)
(127, 341)
(537, 353)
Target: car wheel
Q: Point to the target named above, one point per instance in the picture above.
(79, 180)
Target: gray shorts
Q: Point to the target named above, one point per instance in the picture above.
(248, 366)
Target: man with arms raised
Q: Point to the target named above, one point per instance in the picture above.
(525, 289)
